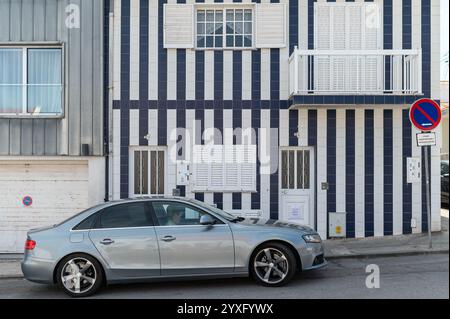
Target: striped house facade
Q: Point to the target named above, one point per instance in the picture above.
(357, 142)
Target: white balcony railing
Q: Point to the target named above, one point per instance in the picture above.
(355, 72)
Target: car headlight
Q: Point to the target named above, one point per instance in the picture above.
(312, 238)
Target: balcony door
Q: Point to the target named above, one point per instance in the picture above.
(352, 27)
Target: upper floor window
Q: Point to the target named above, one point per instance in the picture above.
(238, 28)
(31, 81)
(235, 26)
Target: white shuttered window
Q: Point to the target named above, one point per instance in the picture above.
(218, 26)
(224, 168)
(270, 25)
(178, 26)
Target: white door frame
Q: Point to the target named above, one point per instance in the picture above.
(148, 148)
(295, 191)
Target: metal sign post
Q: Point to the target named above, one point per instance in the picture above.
(425, 114)
(427, 195)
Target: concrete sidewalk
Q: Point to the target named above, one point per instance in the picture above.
(334, 248)
(390, 245)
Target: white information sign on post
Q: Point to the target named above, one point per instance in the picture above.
(426, 139)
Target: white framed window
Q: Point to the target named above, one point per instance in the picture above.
(224, 168)
(147, 171)
(31, 81)
(222, 26)
(237, 33)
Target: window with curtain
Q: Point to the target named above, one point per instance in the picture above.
(36, 91)
(238, 28)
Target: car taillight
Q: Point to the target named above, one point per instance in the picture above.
(30, 244)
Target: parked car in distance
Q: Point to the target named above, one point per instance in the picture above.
(444, 183)
(156, 238)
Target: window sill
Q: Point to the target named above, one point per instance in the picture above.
(225, 49)
(31, 116)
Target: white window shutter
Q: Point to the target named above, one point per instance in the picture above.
(372, 37)
(354, 22)
(338, 24)
(178, 26)
(200, 180)
(338, 42)
(231, 168)
(372, 26)
(248, 168)
(322, 26)
(216, 168)
(270, 25)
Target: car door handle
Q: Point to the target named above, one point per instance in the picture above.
(168, 238)
(107, 241)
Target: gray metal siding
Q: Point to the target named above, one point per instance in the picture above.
(30, 21)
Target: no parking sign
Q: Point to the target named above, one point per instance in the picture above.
(27, 201)
(425, 115)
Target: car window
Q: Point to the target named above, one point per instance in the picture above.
(444, 168)
(125, 215)
(176, 213)
(87, 223)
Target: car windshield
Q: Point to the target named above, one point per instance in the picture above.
(215, 210)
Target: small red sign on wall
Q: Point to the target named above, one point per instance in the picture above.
(27, 201)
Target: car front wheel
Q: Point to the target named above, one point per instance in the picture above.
(273, 264)
(79, 275)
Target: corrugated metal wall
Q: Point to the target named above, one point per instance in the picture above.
(30, 21)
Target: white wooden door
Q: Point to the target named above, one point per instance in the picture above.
(297, 185)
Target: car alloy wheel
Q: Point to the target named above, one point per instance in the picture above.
(79, 275)
(271, 265)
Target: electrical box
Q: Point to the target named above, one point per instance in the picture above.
(182, 172)
(336, 224)
(414, 170)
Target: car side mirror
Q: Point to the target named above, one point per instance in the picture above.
(207, 220)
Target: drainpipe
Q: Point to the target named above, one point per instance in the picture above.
(109, 135)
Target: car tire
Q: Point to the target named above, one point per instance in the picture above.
(82, 273)
(275, 258)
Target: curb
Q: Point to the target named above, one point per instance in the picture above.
(391, 254)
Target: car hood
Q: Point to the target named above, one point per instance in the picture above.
(267, 222)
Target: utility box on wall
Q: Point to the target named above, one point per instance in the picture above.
(336, 223)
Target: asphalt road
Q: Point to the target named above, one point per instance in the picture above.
(419, 276)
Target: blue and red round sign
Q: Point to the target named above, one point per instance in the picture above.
(425, 114)
(27, 201)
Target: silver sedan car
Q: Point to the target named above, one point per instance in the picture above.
(145, 239)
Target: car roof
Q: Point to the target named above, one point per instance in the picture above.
(143, 198)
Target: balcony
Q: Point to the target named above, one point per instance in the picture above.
(355, 72)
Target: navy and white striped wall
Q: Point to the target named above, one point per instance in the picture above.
(360, 143)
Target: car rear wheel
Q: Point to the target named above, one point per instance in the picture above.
(79, 275)
(273, 265)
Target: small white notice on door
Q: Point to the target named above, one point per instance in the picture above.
(294, 212)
